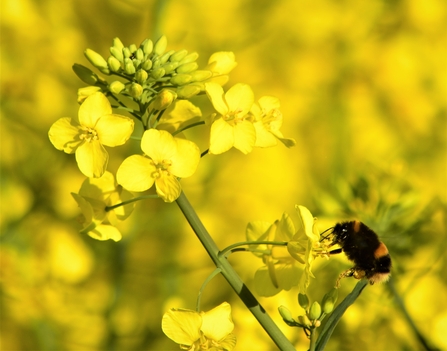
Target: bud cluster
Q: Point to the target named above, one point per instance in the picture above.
(148, 69)
(315, 312)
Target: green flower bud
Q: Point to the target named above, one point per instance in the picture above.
(84, 93)
(132, 48)
(158, 73)
(187, 67)
(97, 60)
(303, 300)
(169, 67)
(315, 311)
(136, 63)
(181, 79)
(329, 300)
(160, 45)
(114, 64)
(147, 65)
(201, 75)
(116, 87)
(135, 90)
(286, 314)
(304, 320)
(117, 44)
(188, 91)
(139, 55)
(156, 64)
(178, 56)
(141, 76)
(85, 74)
(126, 52)
(117, 53)
(164, 99)
(148, 46)
(129, 68)
(165, 57)
(193, 56)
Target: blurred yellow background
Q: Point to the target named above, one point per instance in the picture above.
(363, 87)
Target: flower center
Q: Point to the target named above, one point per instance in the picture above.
(88, 134)
(162, 167)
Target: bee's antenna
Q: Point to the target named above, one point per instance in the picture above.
(327, 235)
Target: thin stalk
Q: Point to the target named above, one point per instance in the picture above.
(232, 277)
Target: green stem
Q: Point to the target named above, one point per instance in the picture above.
(205, 283)
(232, 277)
(313, 339)
(243, 243)
(109, 208)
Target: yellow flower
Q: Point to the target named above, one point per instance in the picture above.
(96, 126)
(232, 126)
(193, 330)
(220, 64)
(303, 243)
(268, 120)
(280, 271)
(166, 158)
(95, 194)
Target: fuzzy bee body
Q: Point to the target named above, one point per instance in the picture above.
(363, 247)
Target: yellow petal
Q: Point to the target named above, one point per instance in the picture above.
(92, 159)
(222, 62)
(307, 221)
(136, 173)
(244, 136)
(263, 137)
(95, 106)
(86, 208)
(286, 229)
(216, 95)
(105, 232)
(240, 98)
(217, 323)
(159, 145)
(64, 135)
(182, 326)
(185, 162)
(222, 137)
(114, 130)
(168, 187)
(98, 188)
(287, 276)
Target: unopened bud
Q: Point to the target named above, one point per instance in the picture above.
(85, 74)
(178, 56)
(165, 57)
(129, 68)
(187, 67)
(304, 320)
(117, 53)
(286, 314)
(201, 75)
(139, 55)
(315, 311)
(114, 64)
(97, 60)
(135, 90)
(160, 45)
(193, 56)
(117, 43)
(303, 300)
(141, 76)
(169, 67)
(158, 73)
(126, 53)
(329, 300)
(148, 46)
(147, 65)
(188, 91)
(181, 79)
(132, 48)
(164, 99)
(116, 87)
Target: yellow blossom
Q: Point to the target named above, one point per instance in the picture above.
(232, 126)
(268, 121)
(165, 159)
(280, 271)
(303, 243)
(96, 126)
(193, 330)
(220, 64)
(93, 198)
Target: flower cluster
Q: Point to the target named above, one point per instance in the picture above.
(159, 83)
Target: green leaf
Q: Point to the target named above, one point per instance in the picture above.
(335, 317)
